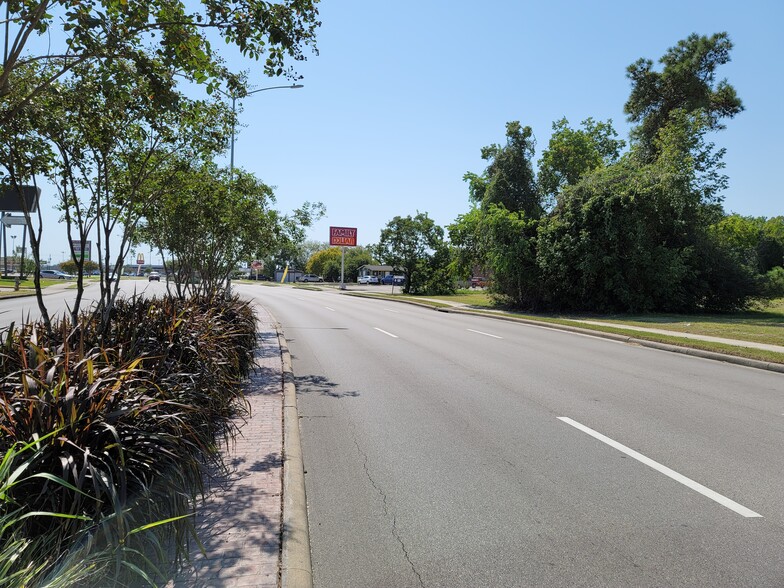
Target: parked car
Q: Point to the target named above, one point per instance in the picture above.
(310, 278)
(396, 280)
(154, 277)
(367, 280)
(56, 275)
(477, 282)
(260, 277)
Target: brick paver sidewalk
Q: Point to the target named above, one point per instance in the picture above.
(240, 524)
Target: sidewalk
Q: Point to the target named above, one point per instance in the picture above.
(694, 336)
(241, 522)
(725, 341)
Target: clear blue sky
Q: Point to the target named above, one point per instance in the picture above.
(404, 94)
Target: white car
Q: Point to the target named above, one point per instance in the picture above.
(367, 280)
(310, 278)
(55, 275)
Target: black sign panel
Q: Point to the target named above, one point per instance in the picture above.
(11, 202)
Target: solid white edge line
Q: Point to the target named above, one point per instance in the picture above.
(485, 334)
(386, 333)
(696, 486)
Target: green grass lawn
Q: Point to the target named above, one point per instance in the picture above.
(28, 284)
(762, 325)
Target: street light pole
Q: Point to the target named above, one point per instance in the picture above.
(13, 249)
(234, 116)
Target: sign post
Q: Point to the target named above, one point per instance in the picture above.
(343, 237)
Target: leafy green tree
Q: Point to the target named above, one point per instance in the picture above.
(208, 223)
(70, 267)
(117, 149)
(757, 239)
(325, 263)
(101, 31)
(209, 226)
(306, 250)
(571, 153)
(356, 257)
(770, 250)
(509, 178)
(416, 245)
(504, 243)
(687, 83)
(632, 238)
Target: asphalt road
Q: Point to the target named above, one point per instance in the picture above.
(450, 450)
(60, 297)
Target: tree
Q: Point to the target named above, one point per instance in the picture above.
(504, 244)
(70, 267)
(209, 222)
(770, 250)
(105, 30)
(632, 238)
(305, 251)
(509, 178)
(571, 153)
(687, 82)
(326, 263)
(416, 246)
(756, 239)
(208, 227)
(117, 148)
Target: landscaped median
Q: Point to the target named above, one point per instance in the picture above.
(765, 326)
(108, 437)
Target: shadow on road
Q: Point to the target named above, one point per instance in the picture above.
(321, 385)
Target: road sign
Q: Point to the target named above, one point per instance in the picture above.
(79, 252)
(11, 198)
(14, 220)
(343, 236)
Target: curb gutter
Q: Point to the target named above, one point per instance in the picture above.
(752, 363)
(296, 567)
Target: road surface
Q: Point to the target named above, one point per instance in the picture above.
(450, 450)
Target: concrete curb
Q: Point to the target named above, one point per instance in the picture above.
(296, 567)
(753, 363)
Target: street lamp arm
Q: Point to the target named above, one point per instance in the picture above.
(234, 98)
(291, 87)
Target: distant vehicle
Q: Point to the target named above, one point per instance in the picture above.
(390, 280)
(478, 282)
(310, 278)
(367, 280)
(154, 277)
(260, 277)
(56, 275)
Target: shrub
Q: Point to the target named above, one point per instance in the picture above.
(117, 429)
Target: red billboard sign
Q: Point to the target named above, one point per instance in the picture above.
(343, 236)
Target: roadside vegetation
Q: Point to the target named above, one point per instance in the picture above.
(107, 439)
(112, 417)
(602, 225)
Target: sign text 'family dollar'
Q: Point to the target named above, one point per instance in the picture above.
(343, 236)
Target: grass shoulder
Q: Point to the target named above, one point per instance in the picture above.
(764, 324)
